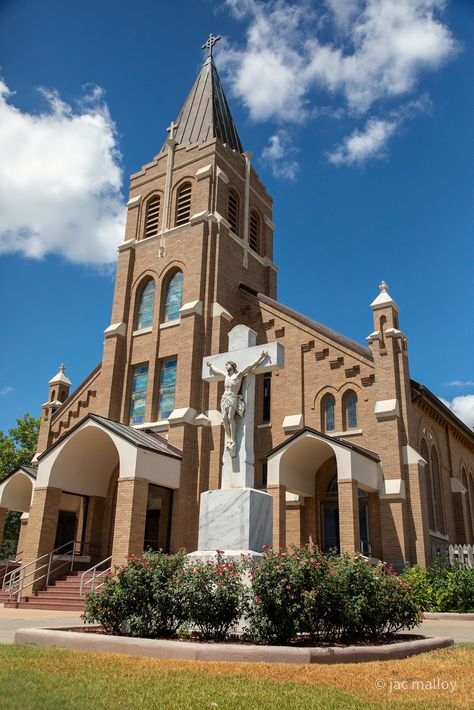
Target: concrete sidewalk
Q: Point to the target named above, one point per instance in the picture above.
(13, 619)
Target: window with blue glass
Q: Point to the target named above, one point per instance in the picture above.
(349, 404)
(146, 306)
(328, 408)
(138, 397)
(167, 388)
(174, 297)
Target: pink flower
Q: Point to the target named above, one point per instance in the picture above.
(258, 600)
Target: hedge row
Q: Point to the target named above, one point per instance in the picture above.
(287, 597)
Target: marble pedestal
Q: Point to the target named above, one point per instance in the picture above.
(237, 520)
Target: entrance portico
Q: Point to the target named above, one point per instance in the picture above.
(301, 470)
(95, 486)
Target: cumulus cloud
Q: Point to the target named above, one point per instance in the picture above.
(279, 154)
(363, 51)
(60, 180)
(463, 407)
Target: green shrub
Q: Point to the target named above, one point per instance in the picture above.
(141, 599)
(214, 595)
(420, 580)
(442, 587)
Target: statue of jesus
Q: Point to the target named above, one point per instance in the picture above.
(232, 402)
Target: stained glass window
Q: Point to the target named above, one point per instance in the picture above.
(350, 410)
(146, 306)
(138, 398)
(328, 411)
(174, 297)
(167, 388)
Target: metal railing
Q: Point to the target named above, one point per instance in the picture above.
(16, 563)
(96, 575)
(26, 575)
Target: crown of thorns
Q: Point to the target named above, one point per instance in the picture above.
(229, 362)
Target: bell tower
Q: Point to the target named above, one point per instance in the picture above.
(199, 223)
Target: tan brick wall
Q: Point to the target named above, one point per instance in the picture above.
(348, 516)
(278, 494)
(41, 531)
(130, 517)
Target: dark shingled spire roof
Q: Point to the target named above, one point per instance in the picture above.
(206, 114)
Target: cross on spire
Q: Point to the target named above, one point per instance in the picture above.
(171, 128)
(210, 43)
(383, 286)
(62, 367)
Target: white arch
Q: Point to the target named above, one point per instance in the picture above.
(294, 464)
(84, 461)
(16, 492)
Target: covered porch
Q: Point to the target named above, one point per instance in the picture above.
(325, 491)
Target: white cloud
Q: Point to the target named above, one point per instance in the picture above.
(363, 51)
(463, 407)
(279, 154)
(460, 383)
(60, 180)
(5, 391)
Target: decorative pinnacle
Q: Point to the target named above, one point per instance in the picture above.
(383, 286)
(210, 43)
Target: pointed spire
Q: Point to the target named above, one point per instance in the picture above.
(60, 377)
(205, 114)
(384, 298)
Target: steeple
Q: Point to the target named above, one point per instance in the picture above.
(205, 113)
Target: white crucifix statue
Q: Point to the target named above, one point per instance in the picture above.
(238, 518)
(238, 368)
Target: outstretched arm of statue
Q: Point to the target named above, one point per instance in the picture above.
(215, 370)
(263, 356)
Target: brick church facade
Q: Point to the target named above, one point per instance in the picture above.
(354, 453)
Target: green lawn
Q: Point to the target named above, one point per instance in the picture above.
(33, 677)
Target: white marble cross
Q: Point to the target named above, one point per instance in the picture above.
(238, 462)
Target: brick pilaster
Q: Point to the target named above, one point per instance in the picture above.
(278, 494)
(349, 533)
(130, 518)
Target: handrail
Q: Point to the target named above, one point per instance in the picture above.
(18, 576)
(95, 576)
(10, 563)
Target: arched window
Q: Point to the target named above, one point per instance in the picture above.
(183, 204)
(233, 211)
(152, 216)
(437, 492)
(254, 236)
(349, 408)
(383, 323)
(174, 297)
(146, 306)
(328, 407)
(332, 490)
(426, 456)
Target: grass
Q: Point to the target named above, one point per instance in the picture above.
(48, 678)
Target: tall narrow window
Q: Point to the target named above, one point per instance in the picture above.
(328, 408)
(437, 492)
(183, 204)
(383, 323)
(167, 388)
(267, 393)
(254, 236)
(233, 211)
(152, 216)
(174, 297)
(146, 305)
(428, 484)
(138, 398)
(349, 406)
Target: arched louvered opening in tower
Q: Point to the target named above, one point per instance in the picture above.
(152, 217)
(183, 204)
(254, 236)
(233, 212)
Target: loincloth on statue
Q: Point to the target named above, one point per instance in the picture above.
(233, 401)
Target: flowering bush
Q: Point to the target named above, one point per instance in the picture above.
(141, 599)
(336, 597)
(214, 595)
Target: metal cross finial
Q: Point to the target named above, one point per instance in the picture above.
(210, 43)
(62, 367)
(171, 128)
(383, 286)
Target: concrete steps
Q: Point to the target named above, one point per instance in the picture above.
(62, 595)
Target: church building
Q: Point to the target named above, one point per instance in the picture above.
(354, 453)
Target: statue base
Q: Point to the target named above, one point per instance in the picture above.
(235, 520)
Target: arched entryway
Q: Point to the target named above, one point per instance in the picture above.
(335, 482)
(16, 493)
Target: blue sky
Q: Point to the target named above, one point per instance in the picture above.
(359, 116)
